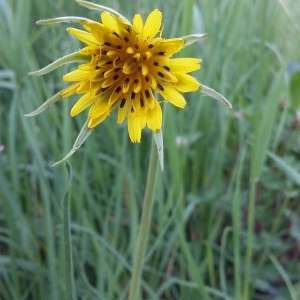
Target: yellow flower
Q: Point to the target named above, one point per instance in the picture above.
(125, 66)
(129, 63)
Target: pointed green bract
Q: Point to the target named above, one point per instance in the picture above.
(61, 20)
(70, 58)
(82, 136)
(45, 105)
(94, 6)
(212, 93)
(192, 38)
(158, 138)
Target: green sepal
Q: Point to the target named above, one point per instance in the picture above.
(100, 7)
(62, 20)
(158, 138)
(45, 105)
(192, 38)
(212, 93)
(82, 136)
(70, 58)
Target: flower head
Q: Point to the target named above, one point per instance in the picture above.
(127, 64)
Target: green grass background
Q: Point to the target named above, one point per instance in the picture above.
(226, 222)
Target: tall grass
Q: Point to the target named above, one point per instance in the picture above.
(226, 217)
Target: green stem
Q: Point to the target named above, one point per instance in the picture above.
(145, 224)
(70, 291)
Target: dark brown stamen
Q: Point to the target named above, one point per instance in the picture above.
(150, 46)
(161, 74)
(109, 62)
(156, 64)
(132, 95)
(166, 68)
(126, 39)
(118, 89)
(136, 46)
(161, 53)
(104, 52)
(123, 102)
(142, 102)
(115, 77)
(126, 80)
(147, 93)
(117, 69)
(107, 44)
(119, 47)
(140, 69)
(160, 87)
(147, 78)
(136, 81)
(116, 34)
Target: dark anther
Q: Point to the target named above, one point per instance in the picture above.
(132, 95)
(147, 93)
(117, 69)
(147, 78)
(136, 81)
(161, 53)
(107, 44)
(115, 77)
(156, 64)
(117, 59)
(123, 102)
(118, 89)
(160, 87)
(140, 69)
(142, 102)
(134, 60)
(116, 34)
(126, 39)
(166, 68)
(150, 46)
(104, 52)
(161, 74)
(119, 47)
(109, 62)
(136, 46)
(126, 80)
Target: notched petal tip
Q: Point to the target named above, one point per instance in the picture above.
(215, 95)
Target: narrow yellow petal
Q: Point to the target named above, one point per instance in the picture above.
(100, 106)
(172, 95)
(122, 111)
(70, 90)
(153, 24)
(109, 22)
(83, 36)
(85, 101)
(138, 23)
(94, 122)
(186, 83)
(77, 75)
(154, 117)
(134, 128)
(184, 65)
(170, 46)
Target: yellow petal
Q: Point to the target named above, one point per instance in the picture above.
(70, 90)
(138, 23)
(124, 107)
(83, 36)
(153, 24)
(77, 75)
(134, 128)
(109, 21)
(170, 46)
(100, 106)
(85, 101)
(172, 95)
(94, 122)
(186, 83)
(184, 65)
(154, 117)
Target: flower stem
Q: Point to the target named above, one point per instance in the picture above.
(69, 280)
(145, 224)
